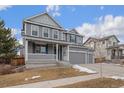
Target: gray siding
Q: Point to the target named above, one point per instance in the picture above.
(30, 47)
(28, 29)
(40, 31)
(45, 19)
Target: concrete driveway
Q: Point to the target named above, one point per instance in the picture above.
(107, 69)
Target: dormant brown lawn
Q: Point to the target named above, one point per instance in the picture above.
(45, 74)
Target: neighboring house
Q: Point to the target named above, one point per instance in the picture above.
(45, 41)
(102, 46)
(20, 51)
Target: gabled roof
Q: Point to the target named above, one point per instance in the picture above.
(92, 39)
(38, 15)
(107, 37)
(101, 39)
(73, 31)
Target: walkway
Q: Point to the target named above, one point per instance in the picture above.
(58, 82)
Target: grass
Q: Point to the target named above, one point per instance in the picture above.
(46, 74)
(97, 83)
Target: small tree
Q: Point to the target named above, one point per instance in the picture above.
(7, 43)
(100, 52)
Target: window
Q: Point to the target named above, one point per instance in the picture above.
(46, 32)
(72, 38)
(41, 49)
(55, 34)
(114, 43)
(103, 42)
(79, 39)
(35, 30)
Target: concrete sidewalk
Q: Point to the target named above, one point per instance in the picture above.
(58, 82)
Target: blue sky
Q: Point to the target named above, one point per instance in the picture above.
(88, 20)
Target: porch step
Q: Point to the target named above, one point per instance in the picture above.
(63, 63)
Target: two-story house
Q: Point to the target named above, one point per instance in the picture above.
(102, 46)
(46, 42)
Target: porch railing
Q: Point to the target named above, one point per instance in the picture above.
(41, 56)
(117, 57)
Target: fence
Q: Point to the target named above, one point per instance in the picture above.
(18, 61)
(99, 60)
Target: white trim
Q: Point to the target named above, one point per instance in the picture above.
(80, 51)
(43, 29)
(37, 31)
(39, 54)
(53, 32)
(68, 53)
(56, 52)
(25, 25)
(26, 50)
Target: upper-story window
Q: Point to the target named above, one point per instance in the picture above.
(55, 34)
(114, 43)
(46, 32)
(79, 39)
(103, 42)
(72, 38)
(34, 30)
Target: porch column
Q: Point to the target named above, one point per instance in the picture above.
(26, 50)
(56, 52)
(68, 53)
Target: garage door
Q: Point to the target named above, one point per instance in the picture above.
(77, 58)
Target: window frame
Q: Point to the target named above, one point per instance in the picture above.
(36, 30)
(57, 34)
(73, 40)
(43, 32)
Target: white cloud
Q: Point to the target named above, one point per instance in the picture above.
(106, 25)
(4, 7)
(54, 10)
(101, 7)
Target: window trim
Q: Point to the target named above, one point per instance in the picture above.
(54, 30)
(72, 38)
(43, 32)
(32, 31)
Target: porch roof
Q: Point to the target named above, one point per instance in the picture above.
(119, 46)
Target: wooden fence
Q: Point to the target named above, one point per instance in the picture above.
(99, 60)
(18, 61)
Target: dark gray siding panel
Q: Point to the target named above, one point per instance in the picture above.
(28, 29)
(40, 31)
(77, 58)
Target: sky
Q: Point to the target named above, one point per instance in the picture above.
(90, 21)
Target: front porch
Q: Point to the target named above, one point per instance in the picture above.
(45, 52)
(117, 53)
